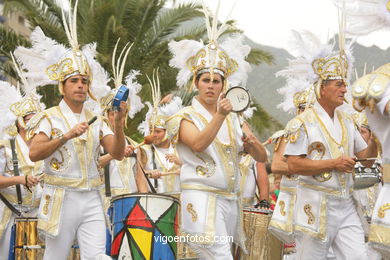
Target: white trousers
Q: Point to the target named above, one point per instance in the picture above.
(345, 235)
(82, 217)
(226, 216)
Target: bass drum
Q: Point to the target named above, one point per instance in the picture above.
(144, 226)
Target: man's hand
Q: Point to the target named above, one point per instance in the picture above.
(344, 164)
(248, 140)
(155, 174)
(76, 131)
(173, 158)
(121, 114)
(31, 181)
(224, 107)
(129, 150)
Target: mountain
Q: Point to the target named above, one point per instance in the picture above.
(263, 84)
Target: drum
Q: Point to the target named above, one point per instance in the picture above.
(365, 177)
(239, 98)
(144, 226)
(24, 240)
(259, 242)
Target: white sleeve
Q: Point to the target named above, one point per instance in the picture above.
(299, 146)
(359, 143)
(106, 130)
(44, 127)
(381, 105)
(3, 161)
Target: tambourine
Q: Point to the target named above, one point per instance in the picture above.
(121, 95)
(239, 98)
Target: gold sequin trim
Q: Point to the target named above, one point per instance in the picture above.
(382, 209)
(190, 209)
(307, 208)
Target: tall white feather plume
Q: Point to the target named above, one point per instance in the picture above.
(43, 53)
(181, 51)
(365, 16)
(299, 73)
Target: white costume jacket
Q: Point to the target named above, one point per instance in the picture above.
(73, 166)
(316, 135)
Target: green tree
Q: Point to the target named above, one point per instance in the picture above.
(145, 23)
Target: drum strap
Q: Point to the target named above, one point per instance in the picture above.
(154, 165)
(107, 184)
(16, 170)
(254, 175)
(146, 176)
(9, 205)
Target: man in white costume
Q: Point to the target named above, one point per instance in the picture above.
(71, 204)
(209, 139)
(16, 111)
(162, 162)
(372, 93)
(323, 142)
(123, 177)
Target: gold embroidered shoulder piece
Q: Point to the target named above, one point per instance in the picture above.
(173, 123)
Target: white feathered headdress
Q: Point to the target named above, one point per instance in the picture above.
(365, 16)
(314, 63)
(16, 102)
(193, 58)
(48, 62)
(157, 113)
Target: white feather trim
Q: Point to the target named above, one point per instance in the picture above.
(143, 127)
(8, 95)
(238, 51)
(365, 16)
(134, 87)
(172, 107)
(248, 113)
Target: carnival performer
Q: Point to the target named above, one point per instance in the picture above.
(372, 94)
(323, 143)
(123, 178)
(295, 94)
(209, 139)
(70, 147)
(16, 168)
(162, 162)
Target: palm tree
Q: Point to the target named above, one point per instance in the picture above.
(145, 23)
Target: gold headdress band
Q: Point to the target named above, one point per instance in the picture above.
(29, 104)
(211, 58)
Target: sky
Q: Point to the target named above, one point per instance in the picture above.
(269, 22)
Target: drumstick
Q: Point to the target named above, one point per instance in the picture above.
(164, 173)
(147, 140)
(93, 119)
(269, 140)
(364, 159)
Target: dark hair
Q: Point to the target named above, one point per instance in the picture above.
(198, 77)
